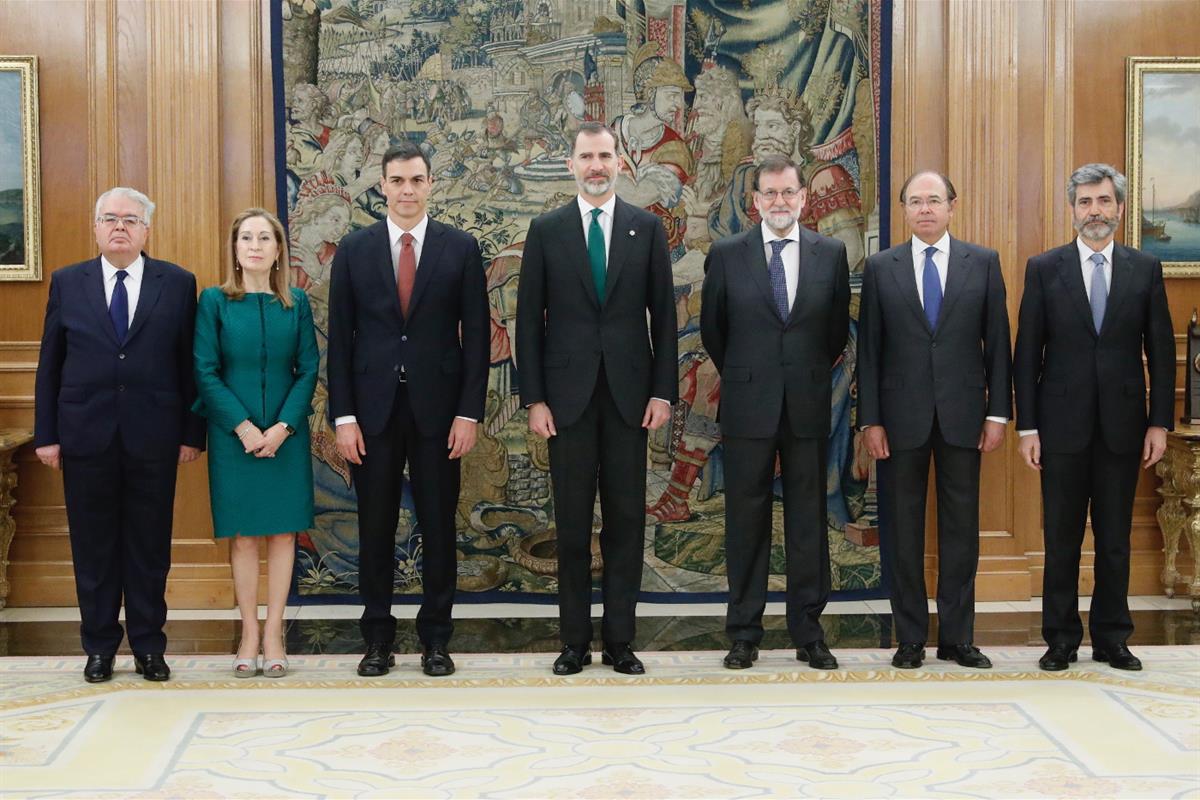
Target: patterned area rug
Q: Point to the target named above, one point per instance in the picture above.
(504, 727)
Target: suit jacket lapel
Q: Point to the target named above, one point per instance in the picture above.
(618, 246)
(152, 276)
(93, 279)
(756, 264)
(1071, 275)
(575, 247)
(906, 279)
(383, 263)
(431, 252)
(808, 262)
(958, 267)
(1122, 274)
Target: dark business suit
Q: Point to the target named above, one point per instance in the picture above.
(776, 390)
(119, 412)
(931, 390)
(1084, 391)
(597, 365)
(405, 380)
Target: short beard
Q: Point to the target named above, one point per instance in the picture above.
(1109, 224)
(772, 218)
(591, 191)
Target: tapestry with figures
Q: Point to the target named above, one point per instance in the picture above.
(493, 91)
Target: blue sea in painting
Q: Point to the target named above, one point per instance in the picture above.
(1185, 239)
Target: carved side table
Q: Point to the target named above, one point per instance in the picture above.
(1179, 514)
(10, 440)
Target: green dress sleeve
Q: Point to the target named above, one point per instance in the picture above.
(298, 403)
(216, 401)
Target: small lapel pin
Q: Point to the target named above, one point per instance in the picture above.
(633, 233)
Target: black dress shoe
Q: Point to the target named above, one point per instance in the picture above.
(98, 669)
(1058, 658)
(573, 659)
(817, 655)
(622, 659)
(742, 655)
(152, 667)
(1117, 656)
(436, 661)
(377, 661)
(909, 656)
(965, 655)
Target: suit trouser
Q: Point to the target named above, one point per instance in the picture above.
(749, 494)
(1070, 481)
(434, 481)
(957, 473)
(120, 509)
(599, 447)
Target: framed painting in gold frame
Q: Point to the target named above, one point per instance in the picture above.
(1162, 157)
(20, 172)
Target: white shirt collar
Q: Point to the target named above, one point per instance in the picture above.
(585, 208)
(134, 270)
(1085, 252)
(942, 244)
(418, 230)
(769, 235)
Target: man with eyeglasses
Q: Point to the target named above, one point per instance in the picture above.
(1091, 308)
(934, 370)
(113, 400)
(774, 317)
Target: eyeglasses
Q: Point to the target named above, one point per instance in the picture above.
(917, 203)
(110, 220)
(787, 194)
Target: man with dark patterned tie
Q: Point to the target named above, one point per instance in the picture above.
(934, 367)
(774, 316)
(1090, 309)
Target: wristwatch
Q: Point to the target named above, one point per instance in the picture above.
(290, 430)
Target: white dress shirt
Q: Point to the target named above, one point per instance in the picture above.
(133, 282)
(395, 232)
(941, 260)
(1085, 268)
(606, 220)
(790, 256)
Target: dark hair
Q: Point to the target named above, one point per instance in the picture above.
(950, 193)
(405, 150)
(593, 127)
(773, 165)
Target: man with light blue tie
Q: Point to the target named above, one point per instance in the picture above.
(934, 371)
(1090, 309)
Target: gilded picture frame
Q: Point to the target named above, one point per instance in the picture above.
(1162, 157)
(20, 171)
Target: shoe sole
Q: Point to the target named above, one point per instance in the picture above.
(101, 679)
(1103, 659)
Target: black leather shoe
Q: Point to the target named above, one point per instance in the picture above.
(909, 656)
(377, 661)
(1058, 658)
(965, 655)
(1117, 656)
(742, 655)
(436, 661)
(152, 667)
(573, 659)
(98, 669)
(817, 655)
(622, 659)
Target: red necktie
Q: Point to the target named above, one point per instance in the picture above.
(406, 271)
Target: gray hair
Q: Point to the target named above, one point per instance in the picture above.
(132, 194)
(1094, 173)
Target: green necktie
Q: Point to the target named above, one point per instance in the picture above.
(596, 253)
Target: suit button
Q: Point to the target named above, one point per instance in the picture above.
(395, 368)
(404, 338)
(934, 344)
(121, 356)
(121, 388)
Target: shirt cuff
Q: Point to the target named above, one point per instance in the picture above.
(468, 419)
(1029, 432)
(346, 420)
(1001, 420)
(659, 399)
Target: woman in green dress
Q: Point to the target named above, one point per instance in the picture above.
(256, 369)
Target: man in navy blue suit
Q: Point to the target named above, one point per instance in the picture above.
(113, 397)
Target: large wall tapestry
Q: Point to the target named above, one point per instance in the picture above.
(494, 91)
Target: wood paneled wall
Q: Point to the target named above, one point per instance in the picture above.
(1006, 96)
(172, 98)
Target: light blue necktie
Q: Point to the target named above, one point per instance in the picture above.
(1099, 299)
(931, 286)
(778, 281)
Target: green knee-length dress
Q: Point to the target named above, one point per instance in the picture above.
(256, 360)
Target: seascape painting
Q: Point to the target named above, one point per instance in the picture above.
(20, 222)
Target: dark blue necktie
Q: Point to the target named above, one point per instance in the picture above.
(778, 281)
(931, 287)
(118, 309)
(1099, 298)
